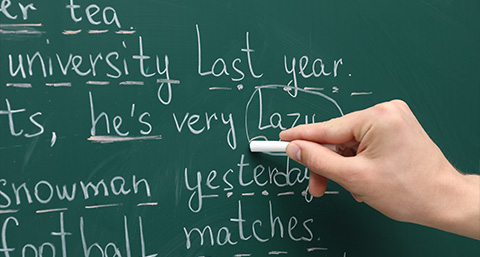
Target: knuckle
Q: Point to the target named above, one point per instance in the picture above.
(400, 104)
(391, 113)
(384, 109)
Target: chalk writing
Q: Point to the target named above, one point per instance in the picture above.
(317, 69)
(44, 192)
(12, 12)
(10, 112)
(277, 226)
(109, 15)
(89, 244)
(255, 111)
(219, 67)
(102, 78)
(112, 64)
(117, 121)
(196, 125)
(243, 176)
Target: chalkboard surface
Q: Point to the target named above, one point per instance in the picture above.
(124, 125)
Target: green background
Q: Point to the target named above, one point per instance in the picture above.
(424, 52)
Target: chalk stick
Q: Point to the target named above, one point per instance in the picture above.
(268, 146)
(277, 146)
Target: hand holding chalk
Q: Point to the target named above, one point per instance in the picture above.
(397, 169)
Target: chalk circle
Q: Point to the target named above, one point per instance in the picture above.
(53, 140)
(271, 109)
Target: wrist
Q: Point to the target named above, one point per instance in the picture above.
(457, 209)
(469, 208)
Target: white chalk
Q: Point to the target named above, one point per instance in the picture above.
(268, 146)
(277, 146)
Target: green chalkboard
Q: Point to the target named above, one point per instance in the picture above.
(124, 125)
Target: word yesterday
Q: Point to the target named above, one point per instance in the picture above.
(244, 176)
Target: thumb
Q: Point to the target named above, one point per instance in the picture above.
(321, 160)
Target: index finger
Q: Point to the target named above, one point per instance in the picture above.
(335, 131)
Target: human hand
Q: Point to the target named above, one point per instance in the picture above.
(397, 169)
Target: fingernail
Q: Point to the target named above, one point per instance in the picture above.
(294, 152)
